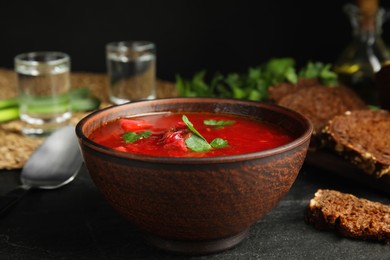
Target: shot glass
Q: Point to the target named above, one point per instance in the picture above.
(43, 83)
(131, 67)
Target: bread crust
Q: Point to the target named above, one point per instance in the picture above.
(277, 92)
(349, 215)
(360, 137)
(322, 103)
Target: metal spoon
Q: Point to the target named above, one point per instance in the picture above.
(55, 163)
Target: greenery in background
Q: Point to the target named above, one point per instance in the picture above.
(80, 100)
(254, 84)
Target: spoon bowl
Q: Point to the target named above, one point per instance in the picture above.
(55, 163)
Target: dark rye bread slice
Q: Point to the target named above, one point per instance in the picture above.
(321, 103)
(277, 92)
(349, 215)
(362, 138)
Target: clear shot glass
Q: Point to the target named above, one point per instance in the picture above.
(131, 68)
(43, 80)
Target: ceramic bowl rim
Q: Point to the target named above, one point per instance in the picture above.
(304, 137)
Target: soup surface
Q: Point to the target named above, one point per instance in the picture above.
(190, 135)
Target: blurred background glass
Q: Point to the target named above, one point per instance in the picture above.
(131, 68)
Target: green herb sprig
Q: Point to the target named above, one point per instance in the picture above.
(197, 142)
(131, 137)
(254, 84)
(191, 127)
(218, 124)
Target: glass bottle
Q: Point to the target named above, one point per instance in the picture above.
(364, 56)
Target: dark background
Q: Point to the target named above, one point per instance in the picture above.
(223, 36)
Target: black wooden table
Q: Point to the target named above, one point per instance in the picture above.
(75, 222)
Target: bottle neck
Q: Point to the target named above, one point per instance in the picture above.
(367, 35)
(366, 26)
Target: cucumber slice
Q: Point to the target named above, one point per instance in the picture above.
(78, 93)
(9, 102)
(85, 104)
(79, 98)
(8, 114)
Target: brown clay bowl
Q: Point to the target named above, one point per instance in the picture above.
(195, 205)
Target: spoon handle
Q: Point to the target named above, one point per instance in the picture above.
(11, 198)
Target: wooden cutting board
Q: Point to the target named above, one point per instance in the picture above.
(334, 164)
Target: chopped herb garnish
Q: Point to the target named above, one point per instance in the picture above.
(131, 137)
(191, 127)
(217, 124)
(219, 143)
(197, 142)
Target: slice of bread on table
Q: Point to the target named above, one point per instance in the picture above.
(277, 92)
(362, 138)
(320, 104)
(349, 215)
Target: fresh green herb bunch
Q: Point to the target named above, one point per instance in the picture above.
(254, 84)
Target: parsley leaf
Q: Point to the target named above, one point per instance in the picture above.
(131, 137)
(321, 71)
(219, 143)
(254, 83)
(217, 124)
(197, 144)
(191, 127)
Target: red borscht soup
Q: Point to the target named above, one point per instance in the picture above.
(190, 135)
